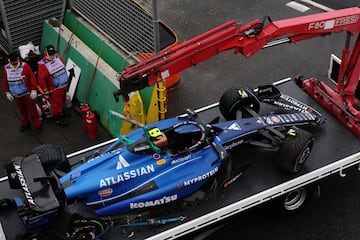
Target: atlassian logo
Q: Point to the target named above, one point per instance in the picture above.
(121, 163)
(24, 185)
(234, 126)
(127, 175)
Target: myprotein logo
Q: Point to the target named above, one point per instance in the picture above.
(199, 178)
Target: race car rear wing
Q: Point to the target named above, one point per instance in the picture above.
(28, 174)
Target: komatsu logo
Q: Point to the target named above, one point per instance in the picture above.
(124, 176)
(153, 203)
(24, 186)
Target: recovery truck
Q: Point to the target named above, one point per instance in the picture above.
(252, 187)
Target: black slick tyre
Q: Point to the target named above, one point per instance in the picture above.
(52, 157)
(238, 99)
(78, 221)
(295, 150)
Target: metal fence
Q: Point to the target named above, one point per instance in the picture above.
(21, 21)
(132, 25)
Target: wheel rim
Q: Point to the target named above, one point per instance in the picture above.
(295, 199)
(86, 230)
(303, 156)
(85, 233)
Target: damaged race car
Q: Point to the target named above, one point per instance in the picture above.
(157, 165)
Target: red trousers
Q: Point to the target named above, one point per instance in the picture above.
(27, 108)
(57, 99)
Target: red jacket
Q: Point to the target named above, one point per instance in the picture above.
(28, 77)
(44, 78)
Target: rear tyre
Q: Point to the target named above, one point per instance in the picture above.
(238, 99)
(52, 157)
(84, 229)
(79, 222)
(295, 150)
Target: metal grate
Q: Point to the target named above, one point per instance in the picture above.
(22, 20)
(128, 23)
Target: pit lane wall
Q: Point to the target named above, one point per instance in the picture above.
(99, 61)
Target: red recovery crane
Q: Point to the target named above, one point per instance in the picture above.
(250, 38)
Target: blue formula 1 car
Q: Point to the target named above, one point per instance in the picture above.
(158, 165)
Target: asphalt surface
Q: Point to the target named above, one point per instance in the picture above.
(335, 215)
(15, 143)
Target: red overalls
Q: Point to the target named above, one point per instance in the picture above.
(53, 78)
(19, 82)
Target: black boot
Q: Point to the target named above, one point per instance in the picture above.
(24, 128)
(61, 120)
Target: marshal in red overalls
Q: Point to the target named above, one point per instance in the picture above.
(19, 84)
(53, 79)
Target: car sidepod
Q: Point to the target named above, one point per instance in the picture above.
(122, 181)
(175, 178)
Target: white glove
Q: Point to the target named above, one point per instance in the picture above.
(9, 96)
(33, 94)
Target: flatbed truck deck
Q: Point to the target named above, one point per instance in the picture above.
(335, 151)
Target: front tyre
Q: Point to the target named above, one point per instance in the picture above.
(238, 99)
(295, 150)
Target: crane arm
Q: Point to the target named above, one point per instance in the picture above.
(246, 39)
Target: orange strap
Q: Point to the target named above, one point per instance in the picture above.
(42, 92)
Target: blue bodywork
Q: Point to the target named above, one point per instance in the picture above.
(139, 175)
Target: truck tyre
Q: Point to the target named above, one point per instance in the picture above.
(238, 99)
(295, 200)
(52, 157)
(295, 150)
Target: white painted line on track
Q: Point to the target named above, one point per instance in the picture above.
(318, 5)
(297, 6)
